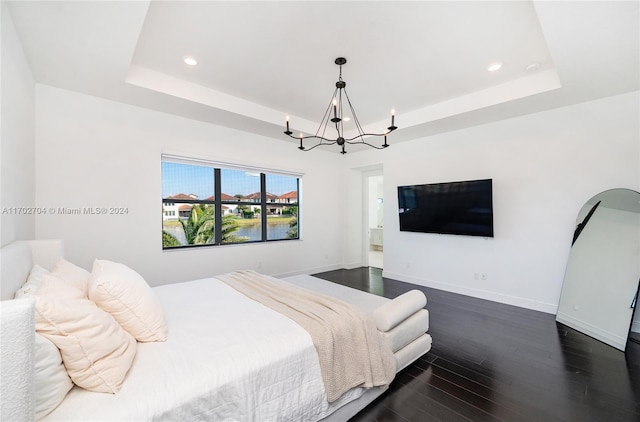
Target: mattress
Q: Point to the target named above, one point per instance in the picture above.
(226, 358)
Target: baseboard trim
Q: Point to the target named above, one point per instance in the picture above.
(592, 331)
(352, 265)
(548, 308)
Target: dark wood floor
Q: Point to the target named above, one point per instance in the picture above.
(495, 362)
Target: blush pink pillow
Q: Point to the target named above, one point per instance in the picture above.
(72, 274)
(95, 350)
(123, 293)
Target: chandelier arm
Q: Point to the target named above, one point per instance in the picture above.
(316, 145)
(351, 140)
(368, 144)
(361, 141)
(323, 140)
(360, 136)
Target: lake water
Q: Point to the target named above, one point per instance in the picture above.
(275, 231)
(177, 232)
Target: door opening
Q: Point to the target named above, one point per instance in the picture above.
(375, 206)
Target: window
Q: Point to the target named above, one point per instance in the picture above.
(213, 204)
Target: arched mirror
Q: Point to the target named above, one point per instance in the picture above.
(603, 271)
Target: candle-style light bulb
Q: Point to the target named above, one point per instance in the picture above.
(335, 111)
(288, 132)
(393, 121)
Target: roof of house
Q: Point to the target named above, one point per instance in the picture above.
(256, 195)
(183, 196)
(224, 196)
(289, 195)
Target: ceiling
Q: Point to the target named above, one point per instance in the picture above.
(261, 61)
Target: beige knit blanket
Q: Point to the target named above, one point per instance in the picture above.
(350, 350)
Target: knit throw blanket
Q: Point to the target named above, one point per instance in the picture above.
(350, 349)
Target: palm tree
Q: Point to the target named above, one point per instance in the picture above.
(199, 228)
(169, 240)
(229, 226)
(292, 233)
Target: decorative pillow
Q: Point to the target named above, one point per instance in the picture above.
(33, 283)
(72, 274)
(51, 381)
(55, 287)
(123, 293)
(96, 351)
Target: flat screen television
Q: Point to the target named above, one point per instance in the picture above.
(463, 208)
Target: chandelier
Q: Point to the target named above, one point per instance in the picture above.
(337, 121)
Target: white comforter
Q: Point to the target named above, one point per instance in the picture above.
(226, 358)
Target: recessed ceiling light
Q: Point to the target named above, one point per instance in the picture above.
(346, 119)
(190, 61)
(493, 67)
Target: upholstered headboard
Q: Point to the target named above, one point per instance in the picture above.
(17, 258)
(17, 325)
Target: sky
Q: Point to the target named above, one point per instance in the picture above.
(199, 180)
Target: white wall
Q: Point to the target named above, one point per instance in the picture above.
(17, 148)
(92, 152)
(544, 167)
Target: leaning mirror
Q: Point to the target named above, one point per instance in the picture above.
(603, 271)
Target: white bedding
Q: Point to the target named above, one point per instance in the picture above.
(226, 358)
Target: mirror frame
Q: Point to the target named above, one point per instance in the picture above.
(584, 307)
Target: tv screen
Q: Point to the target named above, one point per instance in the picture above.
(464, 208)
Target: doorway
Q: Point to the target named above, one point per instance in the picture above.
(374, 223)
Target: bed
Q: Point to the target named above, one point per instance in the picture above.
(225, 356)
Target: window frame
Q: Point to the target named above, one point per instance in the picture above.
(264, 204)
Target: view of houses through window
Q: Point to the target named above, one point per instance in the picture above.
(211, 205)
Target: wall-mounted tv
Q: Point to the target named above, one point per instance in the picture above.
(464, 208)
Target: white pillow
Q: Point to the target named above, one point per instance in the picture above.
(33, 283)
(123, 293)
(51, 381)
(96, 351)
(72, 274)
